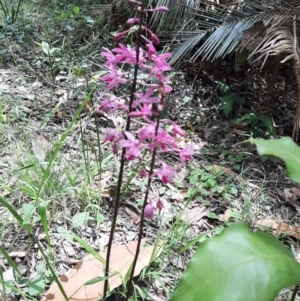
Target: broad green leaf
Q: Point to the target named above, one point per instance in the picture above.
(80, 219)
(284, 148)
(76, 10)
(224, 89)
(250, 116)
(53, 50)
(36, 286)
(88, 19)
(268, 123)
(227, 104)
(45, 47)
(238, 265)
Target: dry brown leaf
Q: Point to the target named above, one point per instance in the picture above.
(267, 223)
(59, 114)
(135, 218)
(90, 268)
(193, 215)
(180, 195)
(190, 127)
(182, 142)
(281, 228)
(289, 230)
(217, 169)
(89, 106)
(226, 216)
(295, 193)
(41, 146)
(252, 36)
(183, 194)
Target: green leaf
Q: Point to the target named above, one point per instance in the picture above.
(284, 148)
(238, 265)
(224, 89)
(3, 118)
(250, 116)
(212, 215)
(53, 50)
(186, 99)
(36, 286)
(200, 238)
(227, 104)
(80, 219)
(76, 10)
(88, 19)
(45, 47)
(268, 123)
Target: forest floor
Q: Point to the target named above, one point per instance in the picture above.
(227, 181)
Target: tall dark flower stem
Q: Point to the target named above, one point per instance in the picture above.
(120, 176)
(162, 97)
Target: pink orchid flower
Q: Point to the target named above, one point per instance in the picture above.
(132, 146)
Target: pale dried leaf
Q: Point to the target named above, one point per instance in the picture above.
(193, 215)
(226, 216)
(41, 146)
(289, 230)
(267, 223)
(135, 218)
(295, 193)
(281, 228)
(90, 268)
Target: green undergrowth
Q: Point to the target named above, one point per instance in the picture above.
(41, 186)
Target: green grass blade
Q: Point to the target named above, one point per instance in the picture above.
(15, 214)
(10, 261)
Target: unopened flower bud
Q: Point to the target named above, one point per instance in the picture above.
(162, 9)
(155, 39)
(149, 211)
(144, 173)
(120, 35)
(132, 21)
(159, 205)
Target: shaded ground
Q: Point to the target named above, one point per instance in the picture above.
(227, 182)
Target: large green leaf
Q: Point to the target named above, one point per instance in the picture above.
(284, 148)
(238, 265)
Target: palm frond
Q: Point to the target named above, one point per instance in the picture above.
(222, 25)
(183, 49)
(276, 40)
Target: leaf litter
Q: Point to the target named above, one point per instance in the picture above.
(39, 112)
